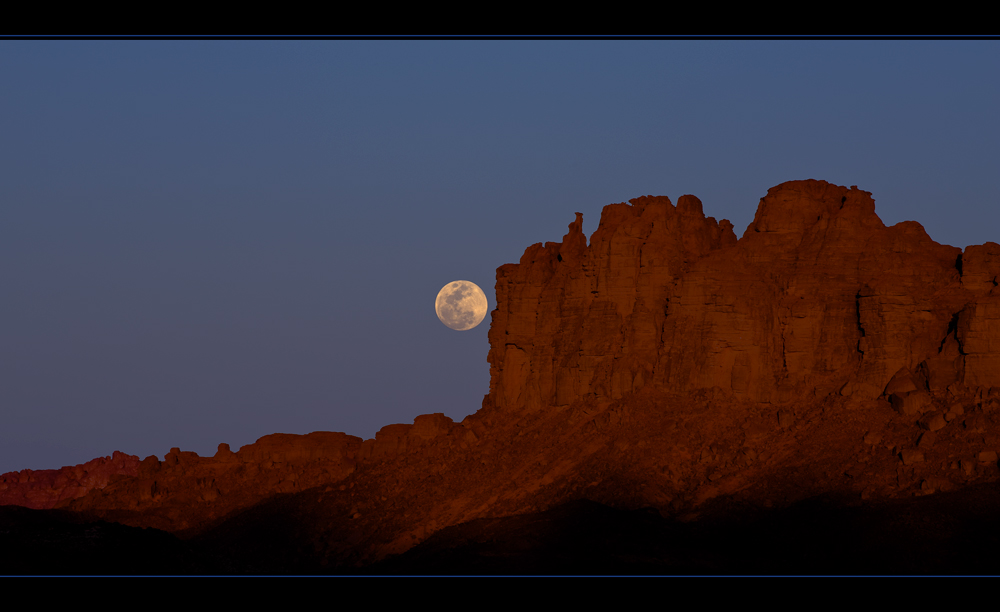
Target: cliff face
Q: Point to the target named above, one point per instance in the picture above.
(574, 320)
(665, 364)
(818, 297)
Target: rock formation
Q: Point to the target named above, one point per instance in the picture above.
(187, 491)
(47, 488)
(665, 364)
(817, 297)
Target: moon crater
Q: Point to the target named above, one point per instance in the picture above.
(461, 305)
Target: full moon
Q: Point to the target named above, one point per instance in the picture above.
(461, 305)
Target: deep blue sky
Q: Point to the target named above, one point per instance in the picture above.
(211, 241)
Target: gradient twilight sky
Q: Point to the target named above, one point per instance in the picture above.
(211, 241)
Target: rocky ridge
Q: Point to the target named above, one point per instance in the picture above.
(665, 364)
(47, 488)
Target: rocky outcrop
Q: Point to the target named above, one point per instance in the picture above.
(187, 492)
(574, 320)
(664, 364)
(981, 268)
(818, 296)
(46, 488)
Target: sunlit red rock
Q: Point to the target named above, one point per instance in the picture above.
(663, 364)
(47, 488)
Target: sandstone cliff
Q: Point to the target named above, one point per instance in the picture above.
(665, 364)
(819, 296)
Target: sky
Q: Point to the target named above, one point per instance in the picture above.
(212, 241)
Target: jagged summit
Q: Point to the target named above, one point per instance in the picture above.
(666, 364)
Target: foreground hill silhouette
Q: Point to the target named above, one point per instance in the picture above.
(825, 389)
